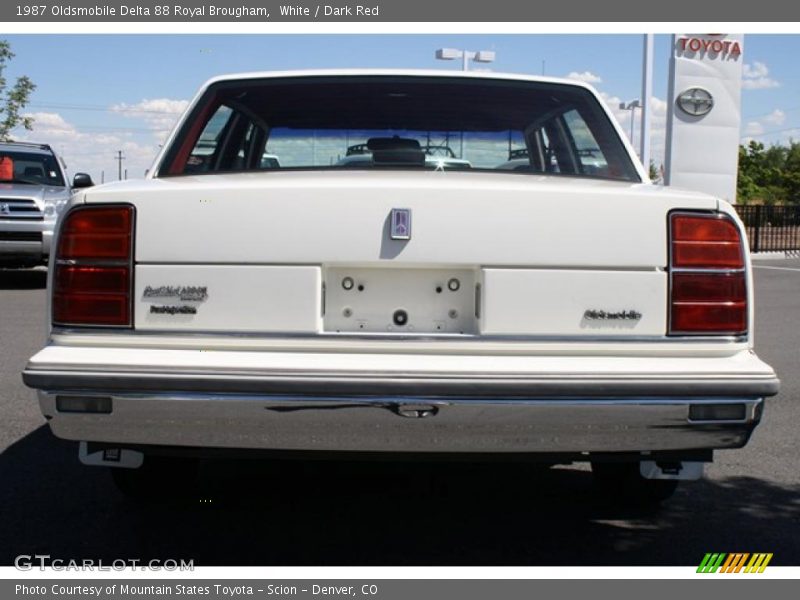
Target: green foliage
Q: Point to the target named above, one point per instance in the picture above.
(653, 171)
(12, 100)
(769, 175)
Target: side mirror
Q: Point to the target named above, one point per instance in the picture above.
(82, 180)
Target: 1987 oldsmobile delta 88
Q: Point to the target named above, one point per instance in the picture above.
(547, 301)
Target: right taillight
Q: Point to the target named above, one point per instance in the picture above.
(708, 289)
(94, 267)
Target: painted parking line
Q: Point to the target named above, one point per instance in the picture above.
(776, 268)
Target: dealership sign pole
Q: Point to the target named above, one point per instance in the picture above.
(704, 113)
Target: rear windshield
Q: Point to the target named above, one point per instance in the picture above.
(30, 168)
(382, 122)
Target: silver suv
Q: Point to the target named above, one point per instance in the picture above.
(33, 193)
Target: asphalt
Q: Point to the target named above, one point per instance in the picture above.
(255, 513)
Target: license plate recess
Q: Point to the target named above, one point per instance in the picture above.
(399, 300)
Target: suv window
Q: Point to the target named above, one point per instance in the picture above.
(410, 122)
(31, 168)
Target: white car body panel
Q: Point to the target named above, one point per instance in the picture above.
(554, 302)
(742, 364)
(337, 218)
(259, 298)
(334, 220)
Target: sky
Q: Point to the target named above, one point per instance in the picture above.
(98, 94)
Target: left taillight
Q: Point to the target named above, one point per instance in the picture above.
(94, 267)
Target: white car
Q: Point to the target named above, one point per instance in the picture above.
(570, 314)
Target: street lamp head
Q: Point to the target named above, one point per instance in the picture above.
(482, 56)
(448, 54)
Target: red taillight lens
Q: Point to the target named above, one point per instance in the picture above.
(709, 303)
(708, 288)
(706, 242)
(94, 263)
(97, 233)
(91, 309)
(92, 279)
(710, 318)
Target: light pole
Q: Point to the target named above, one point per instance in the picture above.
(481, 56)
(631, 106)
(647, 94)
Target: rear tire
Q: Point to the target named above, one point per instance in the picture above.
(159, 479)
(623, 483)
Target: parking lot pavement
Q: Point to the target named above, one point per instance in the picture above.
(397, 513)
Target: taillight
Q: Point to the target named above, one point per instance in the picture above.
(708, 289)
(94, 267)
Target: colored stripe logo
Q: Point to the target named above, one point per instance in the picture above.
(736, 562)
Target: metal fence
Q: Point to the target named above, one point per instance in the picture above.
(771, 228)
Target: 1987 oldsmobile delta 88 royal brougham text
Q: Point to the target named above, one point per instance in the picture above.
(385, 262)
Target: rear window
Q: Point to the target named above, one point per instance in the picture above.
(384, 122)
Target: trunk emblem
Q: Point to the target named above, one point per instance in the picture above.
(620, 315)
(400, 226)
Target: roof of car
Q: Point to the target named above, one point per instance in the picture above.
(397, 72)
(27, 147)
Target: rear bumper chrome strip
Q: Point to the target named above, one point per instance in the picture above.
(405, 424)
(375, 384)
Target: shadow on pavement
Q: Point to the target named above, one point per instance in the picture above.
(23, 279)
(253, 513)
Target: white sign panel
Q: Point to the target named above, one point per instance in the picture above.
(704, 113)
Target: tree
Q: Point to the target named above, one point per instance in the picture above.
(765, 175)
(791, 171)
(13, 100)
(653, 172)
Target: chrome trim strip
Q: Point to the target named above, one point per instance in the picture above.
(454, 337)
(422, 266)
(21, 209)
(71, 262)
(397, 384)
(706, 271)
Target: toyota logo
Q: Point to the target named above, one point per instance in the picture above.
(696, 102)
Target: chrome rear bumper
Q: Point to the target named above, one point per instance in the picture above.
(398, 424)
(399, 403)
